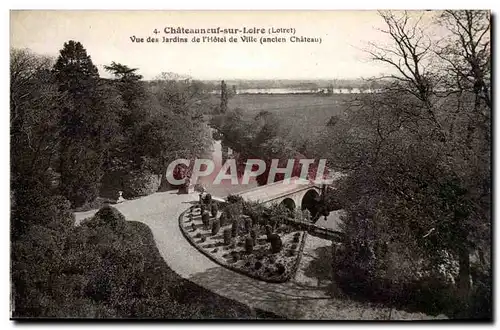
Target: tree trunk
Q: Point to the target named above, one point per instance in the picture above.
(464, 273)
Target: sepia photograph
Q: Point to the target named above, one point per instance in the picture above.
(326, 165)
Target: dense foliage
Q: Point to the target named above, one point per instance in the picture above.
(93, 134)
(107, 267)
(416, 154)
(261, 137)
(74, 136)
(418, 194)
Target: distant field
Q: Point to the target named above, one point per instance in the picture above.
(302, 114)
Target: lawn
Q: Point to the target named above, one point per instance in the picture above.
(289, 103)
(314, 109)
(302, 115)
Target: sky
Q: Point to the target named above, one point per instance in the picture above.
(106, 36)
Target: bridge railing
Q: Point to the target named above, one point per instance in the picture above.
(315, 230)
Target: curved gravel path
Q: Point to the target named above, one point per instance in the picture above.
(310, 295)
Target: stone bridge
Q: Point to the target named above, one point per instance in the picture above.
(297, 194)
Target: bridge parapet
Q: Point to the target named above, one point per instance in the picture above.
(280, 191)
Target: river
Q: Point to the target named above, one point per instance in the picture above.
(300, 91)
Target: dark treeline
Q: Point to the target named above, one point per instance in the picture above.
(76, 137)
(71, 127)
(417, 159)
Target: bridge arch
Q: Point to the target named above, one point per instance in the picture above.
(289, 204)
(310, 201)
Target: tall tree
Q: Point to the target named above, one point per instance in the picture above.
(82, 122)
(35, 106)
(131, 89)
(467, 60)
(467, 64)
(223, 97)
(127, 155)
(417, 173)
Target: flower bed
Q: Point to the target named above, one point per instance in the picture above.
(261, 263)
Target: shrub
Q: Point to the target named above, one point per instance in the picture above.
(254, 218)
(296, 239)
(272, 259)
(198, 235)
(258, 265)
(205, 219)
(202, 208)
(207, 199)
(232, 245)
(215, 227)
(273, 222)
(216, 135)
(254, 211)
(233, 199)
(193, 226)
(140, 183)
(287, 229)
(248, 224)
(234, 228)
(276, 243)
(280, 269)
(227, 236)
(269, 230)
(32, 203)
(278, 214)
(363, 271)
(214, 209)
(81, 184)
(215, 250)
(233, 211)
(223, 219)
(249, 244)
(203, 239)
(294, 246)
(253, 234)
(110, 216)
(264, 220)
(306, 215)
(235, 255)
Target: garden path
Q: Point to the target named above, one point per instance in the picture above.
(311, 294)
